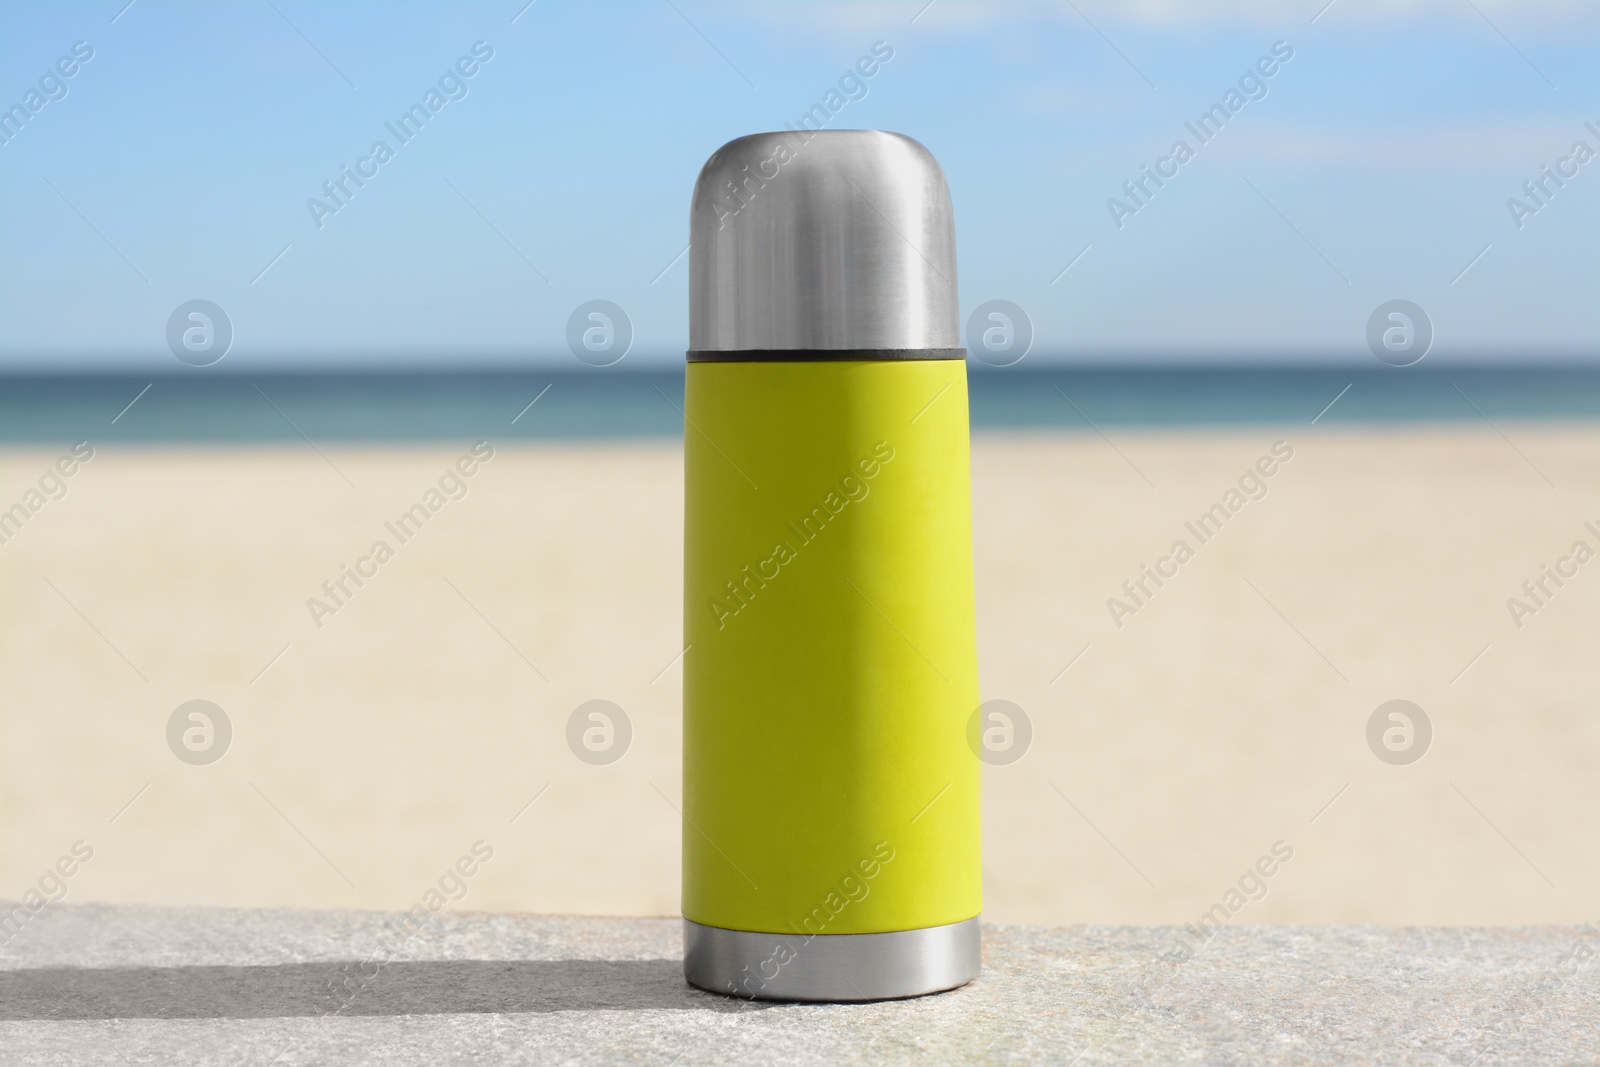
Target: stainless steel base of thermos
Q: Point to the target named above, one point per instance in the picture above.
(831, 967)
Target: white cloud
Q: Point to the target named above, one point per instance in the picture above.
(1519, 147)
(1056, 97)
(887, 18)
(1521, 13)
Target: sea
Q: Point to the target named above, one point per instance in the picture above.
(643, 402)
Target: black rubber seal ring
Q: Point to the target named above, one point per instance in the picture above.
(821, 355)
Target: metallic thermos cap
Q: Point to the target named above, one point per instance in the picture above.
(831, 240)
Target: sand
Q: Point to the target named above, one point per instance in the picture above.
(1224, 718)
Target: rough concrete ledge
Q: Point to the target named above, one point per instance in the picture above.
(89, 984)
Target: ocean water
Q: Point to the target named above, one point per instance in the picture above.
(633, 403)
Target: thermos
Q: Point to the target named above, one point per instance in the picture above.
(830, 798)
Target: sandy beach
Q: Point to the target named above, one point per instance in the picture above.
(1213, 718)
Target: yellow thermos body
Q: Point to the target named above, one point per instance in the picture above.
(830, 798)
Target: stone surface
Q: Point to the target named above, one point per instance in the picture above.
(87, 984)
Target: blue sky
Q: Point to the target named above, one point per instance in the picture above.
(1378, 165)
